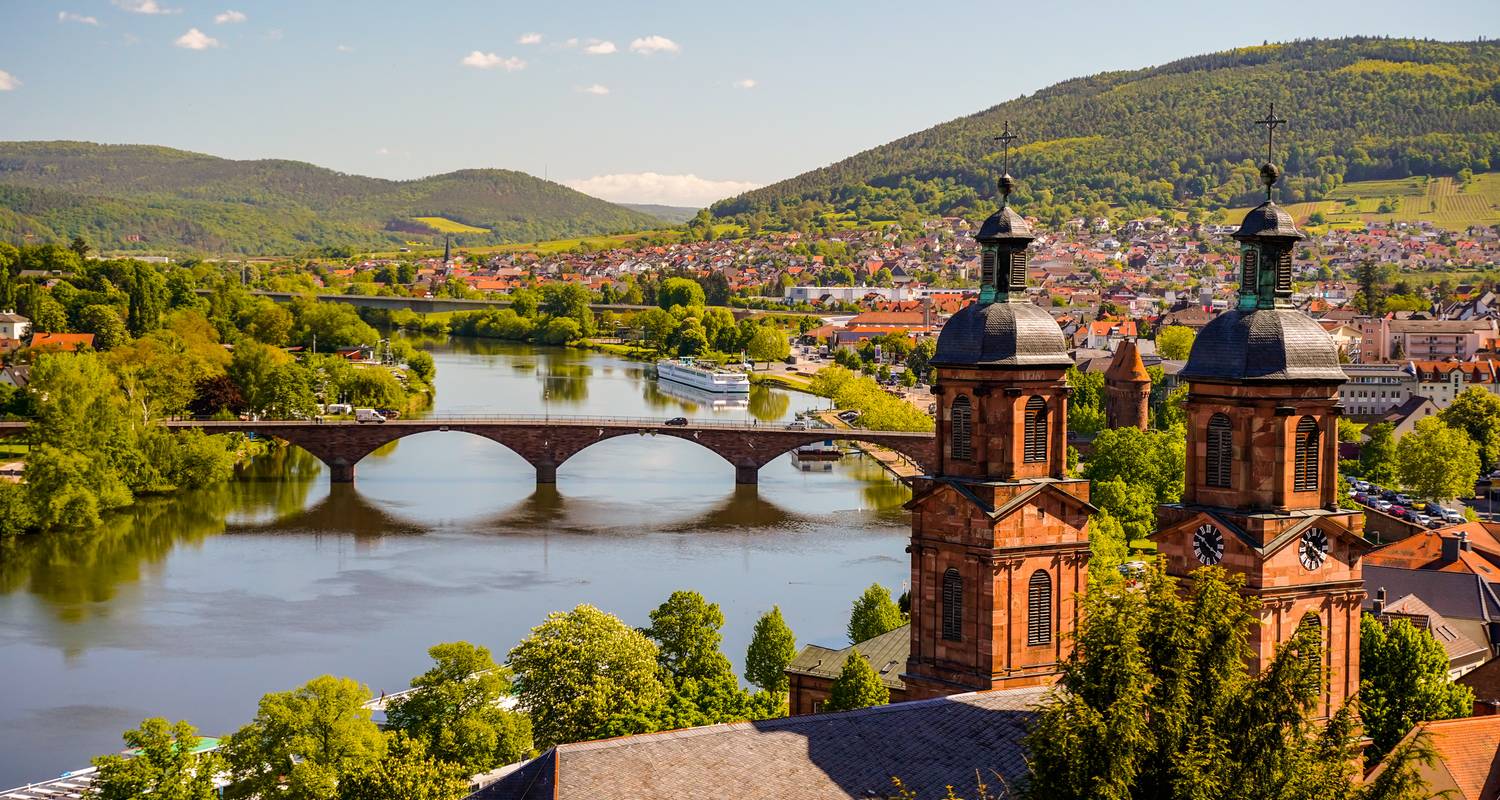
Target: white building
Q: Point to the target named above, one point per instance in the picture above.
(13, 325)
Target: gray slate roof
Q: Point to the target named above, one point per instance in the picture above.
(1263, 346)
(887, 653)
(1268, 220)
(929, 744)
(1005, 224)
(1002, 335)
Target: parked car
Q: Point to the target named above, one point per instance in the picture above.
(1388, 494)
(1399, 511)
(362, 415)
(1361, 497)
(1446, 514)
(677, 422)
(1362, 485)
(1419, 518)
(1382, 504)
(1404, 499)
(1419, 505)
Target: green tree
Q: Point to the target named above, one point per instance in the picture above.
(102, 321)
(686, 631)
(679, 292)
(571, 301)
(1156, 459)
(768, 344)
(267, 322)
(331, 325)
(1175, 342)
(1377, 456)
(772, 648)
(301, 742)
(579, 670)
(1159, 695)
(857, 686)
(656, 327)
(873, 613)
(1131, 505)
(561, 330)
(82, 440)
(1108, 548)
(1403, 680)
(1437, 461)
(455, 710)
(1477, 412)
(164, 766)
(407, 772)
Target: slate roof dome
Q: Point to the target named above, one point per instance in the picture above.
(1268, 345)
(1004, 224)
(1002, 335)
(1268, 220)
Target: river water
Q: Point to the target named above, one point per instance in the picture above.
(194, 606)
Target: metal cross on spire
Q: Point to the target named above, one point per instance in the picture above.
(1006, 183)
(1269, 172)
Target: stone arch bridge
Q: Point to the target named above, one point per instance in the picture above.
(547, 442)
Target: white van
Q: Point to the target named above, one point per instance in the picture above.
(367, 415)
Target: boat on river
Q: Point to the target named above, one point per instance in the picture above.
(686, 371)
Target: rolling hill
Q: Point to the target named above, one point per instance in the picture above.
(1179, 135)
(131, 197)
(673, 214)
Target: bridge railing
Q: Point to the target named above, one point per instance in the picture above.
(552, 419)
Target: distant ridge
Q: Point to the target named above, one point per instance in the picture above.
(673, 214)
(1177, 135)
(140, 197)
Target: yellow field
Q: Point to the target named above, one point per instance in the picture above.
(445, 225)
(1439, 201)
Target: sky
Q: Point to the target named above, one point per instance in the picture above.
(680, 103)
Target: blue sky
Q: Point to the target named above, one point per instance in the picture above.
(675, 102)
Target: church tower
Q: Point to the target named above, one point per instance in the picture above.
(1261, 493)
(999, 546)
(1127, 389)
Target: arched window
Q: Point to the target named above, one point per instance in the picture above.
(1036, 430)
(1313, 628)
(1305, 469)
(961, 429)
(1220, 452)
(1039, 608)
(953, 606)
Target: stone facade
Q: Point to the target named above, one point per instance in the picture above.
(1127, 389)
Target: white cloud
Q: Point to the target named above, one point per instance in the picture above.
(382, 151)
(597, 88)
(654, 44)
(144, 7)
(68, 16)
(571, 41)
(745, 83)
(344, 48)
(652, 187)
(8, 82)
(230, 17)
(195, 39)
(480, 60)
(530, 38)
(598, 48)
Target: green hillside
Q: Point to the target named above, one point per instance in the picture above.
(1180, 135)
(129, 197)
(673, 214)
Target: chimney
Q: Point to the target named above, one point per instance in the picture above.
(1451, 547)
(1463, 542)
(1378, 607)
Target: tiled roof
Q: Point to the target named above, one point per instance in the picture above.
(1126, 366)
(929, 744)
(1455, 595)
(1468, 758)
(62, 341)
(887, 653)
(1458, 646)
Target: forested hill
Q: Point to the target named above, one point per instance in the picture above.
(155, 198)
(1180, 134)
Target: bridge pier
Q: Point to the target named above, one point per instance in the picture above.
(341, 473)
(546, 473)
(746, 474)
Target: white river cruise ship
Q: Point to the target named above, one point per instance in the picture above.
(687, 373)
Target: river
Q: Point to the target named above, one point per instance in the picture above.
(192, 607)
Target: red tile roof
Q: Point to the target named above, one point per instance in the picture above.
(1468, 758)
(62, 341)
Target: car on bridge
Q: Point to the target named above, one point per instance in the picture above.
(363, 415)
(677, 422)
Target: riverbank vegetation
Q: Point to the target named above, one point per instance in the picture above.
(148, 347)
(560, 314)
(579, 675)
(878, 409)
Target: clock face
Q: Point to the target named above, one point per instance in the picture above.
(1314, 548)
(1208, 544)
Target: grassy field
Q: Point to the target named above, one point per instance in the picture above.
(545, 248)
(1440, 201)
(445, 225)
